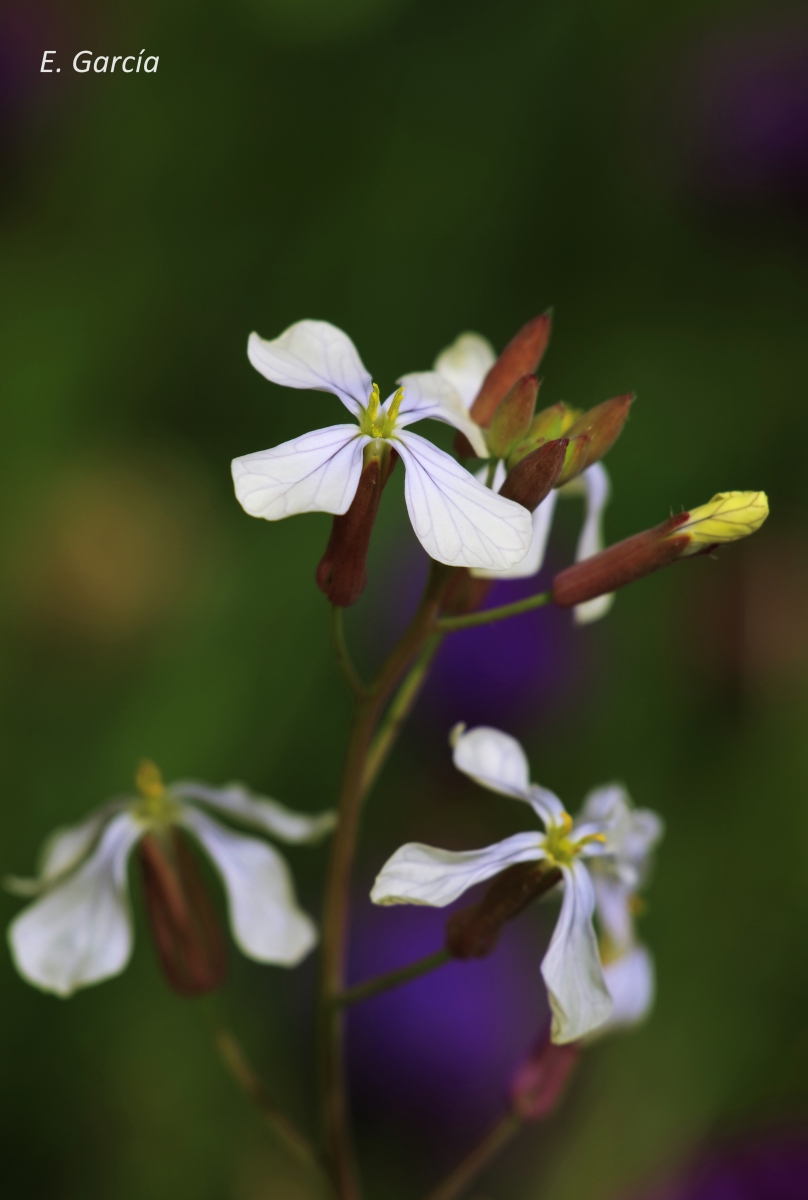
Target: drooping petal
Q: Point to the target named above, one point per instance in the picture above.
(615, 917)
(493, 759)
(533, 561)
(631, 983)
(595, 481)
(318, 472)
(456, 519)
(314, 355)
(465, 364)
(80, 932)
(418, 874)
(259, 811)
(64, 850)
(430, 394)
(571, 969)
(265, 919)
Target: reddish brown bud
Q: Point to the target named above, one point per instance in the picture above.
(520, 357)
(536, 475)
(473, 932)
(577, 458)
(342, 571)
(621, 564)
(603, 426)
(186, 931)
(512, 419)
(541, 1081)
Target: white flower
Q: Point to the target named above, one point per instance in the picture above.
(464, 365)
(80, 929)
(631, 837)
(457, 521)
(418, 874)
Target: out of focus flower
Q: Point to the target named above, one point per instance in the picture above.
(418, 874)
(79, 931)
(456, 519)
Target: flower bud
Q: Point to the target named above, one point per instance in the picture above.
(186, 931)
(728, 517)
(473, 932)
(542, 1079)
(602, 425)
(576, 459)
(546, 426)
(536, 475)
(520, 357)
(342, 571)
(512, 419)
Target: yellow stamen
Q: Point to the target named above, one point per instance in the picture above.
(149, 781)
(373, 402)
(392, 412)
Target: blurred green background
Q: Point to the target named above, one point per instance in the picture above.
(407, 170)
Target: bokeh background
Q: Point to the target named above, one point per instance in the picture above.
(406, 169)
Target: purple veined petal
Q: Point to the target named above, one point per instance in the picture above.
(533, 561)
(455, 518)
(493, 759)
(579, 997)
(465, 364)
(430, 394)
(318, 472)
(265, 919)
(418, 874)
(80, 932)
(314, 355)
(260, 812)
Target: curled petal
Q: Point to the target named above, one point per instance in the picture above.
(546, 805)
(318, 472)
(595, 482)
(455, 518)
(533, 561)
(631, 983)
(430, 394)
(418, 874)
(579, 998)
(258, 811)
(265, 919)
(81, 931)
(493, 759)
(465, 364)
(64, 850)
(315, 355)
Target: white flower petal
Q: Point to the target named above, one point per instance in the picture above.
(430, 394)
(64, 850)
(418, 874)
(631, 833)
(318, 472)
(259, 811)
(265, 919)
(546, 805)
(315, 355)
(456, 519)
(631, 983)
(579, 998)
(465, 364)
(533, 561)
(613, 900)
(81, 931)
(596, 482)
(493, 759)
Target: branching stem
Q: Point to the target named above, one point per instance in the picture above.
(483, 1153)
(391, 979)
(488, 615)
(344, 662)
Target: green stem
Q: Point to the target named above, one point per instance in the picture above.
(400, 708)
(452, 624)
(382, 983)
(284, 1130)
(491, 472)
(346, 668)
(487, 1149)
(369, 708)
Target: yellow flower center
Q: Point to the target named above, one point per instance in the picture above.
(156, 805)
(561, 850)
(375, 423)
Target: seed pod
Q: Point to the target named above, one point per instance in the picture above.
(342, 571)
(520, 357)
(473, 932)
(536, 475)
(186, 930)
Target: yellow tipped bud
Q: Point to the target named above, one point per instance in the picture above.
(728, 517)
(148, 780)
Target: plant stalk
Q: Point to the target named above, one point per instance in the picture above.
(488, 615)
(391, 979)
(483, 1153)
